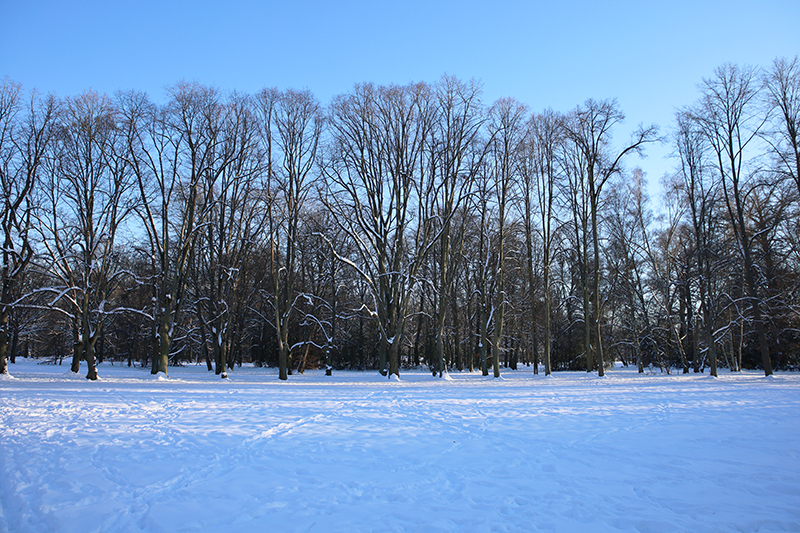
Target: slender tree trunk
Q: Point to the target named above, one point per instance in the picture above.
(596, 287)
(4, 319)
(441, 366)
(548, 369)
(283, 345)
(484, 343)
(587, 317)
(498, 333)
(457, 333)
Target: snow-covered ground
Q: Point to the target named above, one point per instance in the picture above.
(357, 452)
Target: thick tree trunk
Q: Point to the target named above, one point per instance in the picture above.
(89, 343)
(163, 344)
(77, 350)
(221, 358)
(394, 358)
(90, 362)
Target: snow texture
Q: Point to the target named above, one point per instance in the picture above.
(357, 452)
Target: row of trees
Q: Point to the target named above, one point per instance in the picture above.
(399, 226)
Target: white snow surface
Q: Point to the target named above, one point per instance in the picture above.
(358, 452)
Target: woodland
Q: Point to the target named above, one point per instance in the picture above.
(400, 226)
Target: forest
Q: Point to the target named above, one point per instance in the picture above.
(401, 226)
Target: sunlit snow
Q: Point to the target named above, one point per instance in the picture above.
(358, 452)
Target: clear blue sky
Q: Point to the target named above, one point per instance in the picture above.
(649, 55)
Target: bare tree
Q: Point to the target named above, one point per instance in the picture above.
(480, 232)
(297, 121)
(701, 196)
(24, 141)
(235, 217)
(783, 97)
(84, 204)
(573, 164)
(175, 154)
(728, 116)
(590, 127)
(376, 183)
(455, 160)
(507, 129)
(539, 182)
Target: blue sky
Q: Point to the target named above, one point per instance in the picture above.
(649, 55)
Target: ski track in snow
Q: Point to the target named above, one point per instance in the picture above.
(357, 452)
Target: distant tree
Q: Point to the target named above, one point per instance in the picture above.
(590, 127)
(175, 153)
(507, 130)
(25, 135)
(702, 197)
(83, 206)
(573, 164)
(728, 116)
(539, 181)
(481, 231)
(376, 184)
(235, 217)
(456, 156)
(626, 255)
(783, 98)
(296, 122)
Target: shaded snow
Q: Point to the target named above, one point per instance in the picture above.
(358, 452)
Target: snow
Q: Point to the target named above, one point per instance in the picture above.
(358, 452)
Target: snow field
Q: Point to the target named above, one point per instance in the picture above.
(357, 452)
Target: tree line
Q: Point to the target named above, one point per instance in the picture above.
(400, 226)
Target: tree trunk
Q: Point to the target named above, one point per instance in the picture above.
(394, 358)
(89, 342)
(596, 286)
(164, 344)
(77, 349)
(587, 324)
(548, 369)
(283, 346)
(498, 333)
(484, 342)
(3, 342)
(457, 336)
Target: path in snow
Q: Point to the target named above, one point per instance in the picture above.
(355, 452)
